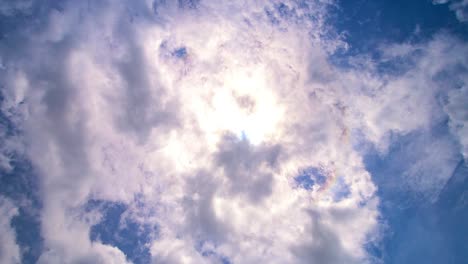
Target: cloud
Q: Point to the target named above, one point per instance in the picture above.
(324, 247)
(10, 8)
(9, 250)
(458, 111)
(460, 7)
(248, 168)
(198, 116)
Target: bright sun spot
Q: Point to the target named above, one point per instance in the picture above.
(245, 106)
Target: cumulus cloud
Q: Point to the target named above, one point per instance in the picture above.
(9, 250)
(207, 112)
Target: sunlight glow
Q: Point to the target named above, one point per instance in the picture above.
(245, 106)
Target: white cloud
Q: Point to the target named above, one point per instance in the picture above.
(211, 139)
(9, 250)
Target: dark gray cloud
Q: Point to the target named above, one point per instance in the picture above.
(199, 206)
(249, 168)
(146, 105)
(324, 246)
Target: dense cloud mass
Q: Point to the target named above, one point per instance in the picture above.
(222, 131)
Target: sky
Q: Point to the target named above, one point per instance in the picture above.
(247, 131)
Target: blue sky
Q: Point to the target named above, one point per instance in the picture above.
(234, 132)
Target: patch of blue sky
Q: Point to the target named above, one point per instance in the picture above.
(304, 181)
(429, 233)
(312, 176)
(131, 237)
(359, 142)
(180, 53)
(340, 190)
(419, 229)
(366, 25)
(20, 184)
(6, 125)
(27, 226)
(188, 3)
(211, 253)
(407, 149)
(22, 17)
(309, 177)
(281, 12)
(272, 16)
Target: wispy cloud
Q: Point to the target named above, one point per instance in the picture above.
(460, 7)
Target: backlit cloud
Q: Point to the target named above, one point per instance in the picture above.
(196, 118)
